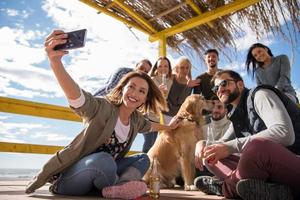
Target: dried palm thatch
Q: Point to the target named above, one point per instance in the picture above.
(263, 17)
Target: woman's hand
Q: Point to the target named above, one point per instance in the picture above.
(172, 125)
(192, 83)
(175, 121)
(69, 86)
(55, 38)
(163, 88)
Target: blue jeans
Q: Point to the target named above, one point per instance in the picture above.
(97, 170)
(149, 139)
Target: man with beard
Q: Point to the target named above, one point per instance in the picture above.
(211, 60)
(265, 131)
(219, 122)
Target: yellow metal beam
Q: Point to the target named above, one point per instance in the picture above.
(135, 15)
(94, 5)
(203, 18)
(162, 46)
(28, 148)
(23, 107)
(198, 11)
(34, 148)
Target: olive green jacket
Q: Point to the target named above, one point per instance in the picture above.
(100, 118)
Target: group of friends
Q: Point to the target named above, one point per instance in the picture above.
(257, 131)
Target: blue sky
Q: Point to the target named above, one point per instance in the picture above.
(25, 72)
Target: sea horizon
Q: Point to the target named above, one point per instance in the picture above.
(17, 173)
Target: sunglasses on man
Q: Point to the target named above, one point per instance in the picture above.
(223, 83)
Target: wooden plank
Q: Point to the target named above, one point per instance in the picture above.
(14, 189)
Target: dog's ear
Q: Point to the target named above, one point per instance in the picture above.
(190, 108)
(185, 108)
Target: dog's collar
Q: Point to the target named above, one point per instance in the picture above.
(189, 119)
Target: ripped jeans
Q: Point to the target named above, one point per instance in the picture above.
(96, 171)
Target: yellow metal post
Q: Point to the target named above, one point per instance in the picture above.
(162, 46)
(203, 18)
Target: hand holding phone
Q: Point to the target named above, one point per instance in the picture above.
(76, 39)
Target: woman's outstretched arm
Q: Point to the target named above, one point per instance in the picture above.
(69, 86)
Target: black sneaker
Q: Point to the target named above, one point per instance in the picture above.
(209, 185)
(53, 188)
(254, 189)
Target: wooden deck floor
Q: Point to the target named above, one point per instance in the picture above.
(14, 190)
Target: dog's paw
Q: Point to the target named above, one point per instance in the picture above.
(190, 188)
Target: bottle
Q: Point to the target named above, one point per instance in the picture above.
(154, 181)
(164, 82)
(210, 139)
(164, 79)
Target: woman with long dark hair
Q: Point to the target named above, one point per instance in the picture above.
(269, 69)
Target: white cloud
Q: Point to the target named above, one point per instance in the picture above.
(249, 37)
(16, 132)
(10, 12)
(15, 13)
(3, 117)
(13, 140)
(51, 136)
(12, 129)
(298, 92)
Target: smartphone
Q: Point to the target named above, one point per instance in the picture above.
(76, 39)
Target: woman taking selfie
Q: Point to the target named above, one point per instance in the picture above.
(95, 159)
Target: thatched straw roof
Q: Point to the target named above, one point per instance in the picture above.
(154, 16)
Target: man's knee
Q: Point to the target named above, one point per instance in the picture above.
(257, 146)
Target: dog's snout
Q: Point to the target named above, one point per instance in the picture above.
(206, 112)
(209, 105)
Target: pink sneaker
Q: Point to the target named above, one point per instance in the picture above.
(127, 190)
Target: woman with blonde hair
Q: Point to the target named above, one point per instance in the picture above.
(181, 87)
(95, 159)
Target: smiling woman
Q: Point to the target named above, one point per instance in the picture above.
(96, 157)
(270, 70)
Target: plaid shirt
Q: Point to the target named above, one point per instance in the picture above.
(112, 81)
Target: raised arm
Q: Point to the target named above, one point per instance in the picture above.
(69, 86)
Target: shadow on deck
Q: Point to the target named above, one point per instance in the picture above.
(14, 190)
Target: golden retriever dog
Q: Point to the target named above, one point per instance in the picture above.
(175, 149)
